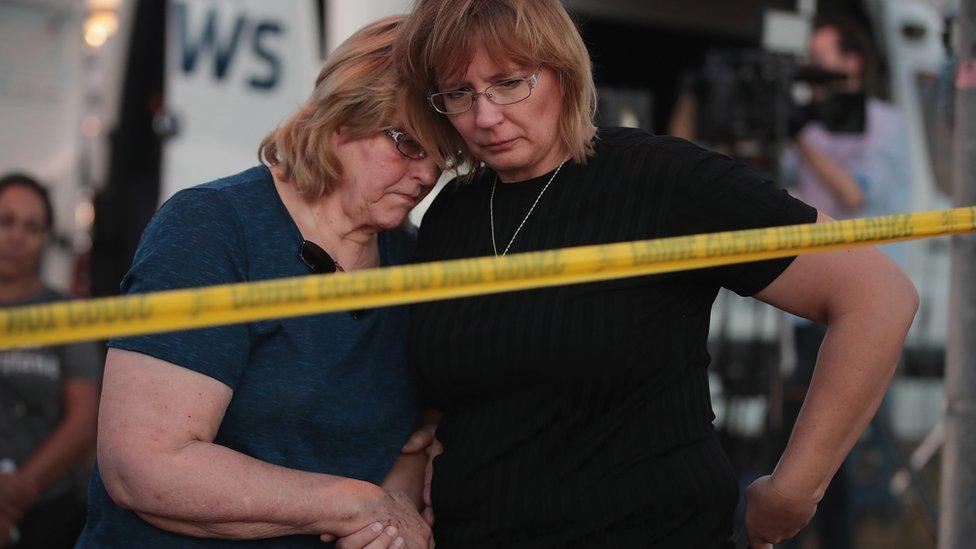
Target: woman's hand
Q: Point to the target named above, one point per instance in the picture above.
(435, 449)
(420, 439)
(374, 536)
(396, 513)
(423, 439)
(772, 515)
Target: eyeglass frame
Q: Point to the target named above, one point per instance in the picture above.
(399, 137)
(532, 80)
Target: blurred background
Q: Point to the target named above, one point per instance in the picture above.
(116, 104)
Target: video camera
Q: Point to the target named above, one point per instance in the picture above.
(746, 100)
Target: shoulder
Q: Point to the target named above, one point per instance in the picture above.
(458, 196)
(645, 155)
(218, 204)
(884, 113)
(400, 244)
(665, 160)
(884, 107)
(622, 141)
(886, 127)
(228, 192)
(207, 220)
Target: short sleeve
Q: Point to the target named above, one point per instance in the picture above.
(194, 240)
(713, 193)
(82, 361)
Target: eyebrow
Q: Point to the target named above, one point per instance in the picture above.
(502, 75)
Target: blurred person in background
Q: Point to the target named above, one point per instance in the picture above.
(580, 415)
(850, 154)
(274, 433)
(48, 395)
(849, 159)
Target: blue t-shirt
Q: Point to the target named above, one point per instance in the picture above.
(327, 393)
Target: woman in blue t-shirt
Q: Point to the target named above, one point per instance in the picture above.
(275, 433)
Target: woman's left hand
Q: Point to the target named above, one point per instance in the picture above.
(423, 436)
(772, 516)
(424, 439)
(17, 495)
(435, 449)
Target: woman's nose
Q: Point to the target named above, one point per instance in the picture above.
(487, 114)
(428, 172)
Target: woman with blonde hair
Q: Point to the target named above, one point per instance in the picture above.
(580, 415)
(279, 432)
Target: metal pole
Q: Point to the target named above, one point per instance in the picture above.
(957, 527)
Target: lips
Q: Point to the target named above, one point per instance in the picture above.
(408, 197)
(500, 145)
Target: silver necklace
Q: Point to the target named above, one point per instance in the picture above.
(491, 211)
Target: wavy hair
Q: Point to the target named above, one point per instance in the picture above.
(357, 90)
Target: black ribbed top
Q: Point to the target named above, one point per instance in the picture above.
(567, 409)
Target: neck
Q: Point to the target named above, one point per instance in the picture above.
(15, 289)
(351, 244)
(354, 245)
(516, 175)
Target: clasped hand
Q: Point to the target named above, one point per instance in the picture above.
(773, 515)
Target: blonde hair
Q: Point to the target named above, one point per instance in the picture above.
(436, 42)
(357, 89)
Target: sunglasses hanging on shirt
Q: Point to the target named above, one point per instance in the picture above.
(320, 262)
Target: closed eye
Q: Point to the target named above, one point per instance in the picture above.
(514, 83)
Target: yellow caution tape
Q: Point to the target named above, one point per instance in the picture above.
(286, 297)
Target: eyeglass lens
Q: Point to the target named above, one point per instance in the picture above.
(503, 93)
(410, 148)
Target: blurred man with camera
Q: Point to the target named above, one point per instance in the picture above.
(849, 159)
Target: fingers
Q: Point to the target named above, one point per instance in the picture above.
(374, 536)
(389, 538)
(427, 476)
(771, 517)
(428, 515)
(419, 440)
(433, 451)
(436, 448)
(413, 528)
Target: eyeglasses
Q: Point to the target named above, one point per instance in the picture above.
(506, 92)
(406, 145)
(319, 261)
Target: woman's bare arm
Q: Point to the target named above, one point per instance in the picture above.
(71, 439)
(868, 305)
(157, 457)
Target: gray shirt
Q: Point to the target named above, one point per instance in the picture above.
(31, 385)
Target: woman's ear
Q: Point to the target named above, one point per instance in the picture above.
(340, 135)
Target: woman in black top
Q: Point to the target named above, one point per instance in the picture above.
(580, 415)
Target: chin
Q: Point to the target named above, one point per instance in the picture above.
(507, 161)
(392, 221)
